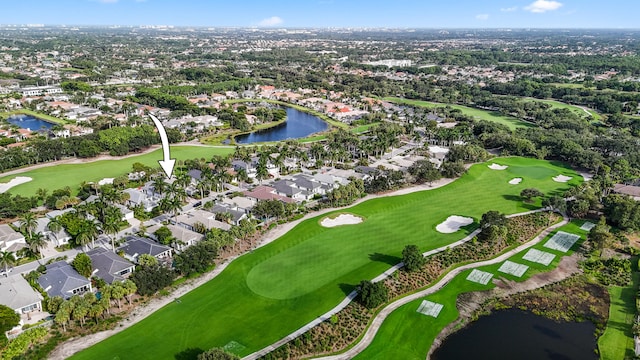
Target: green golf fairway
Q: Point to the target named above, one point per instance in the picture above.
(510, 121)
(408, 334)
(269, 293)
(72, 175)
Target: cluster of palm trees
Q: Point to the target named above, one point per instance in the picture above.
(35, 240)
(78, 308)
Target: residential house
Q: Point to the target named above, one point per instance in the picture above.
(144, 196)
(11, 240)
(184, 237)
(193, 218)
(60, 238)
(266, 193)
(135, 246)
(16, 293)
(109, 266)
(60, 279)
(630, 190)
(235, 214)
(239, 203)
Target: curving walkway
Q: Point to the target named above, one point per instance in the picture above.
(382, 315)
(71, 346)
(377, 322)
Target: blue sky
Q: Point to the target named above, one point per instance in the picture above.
(328, 13)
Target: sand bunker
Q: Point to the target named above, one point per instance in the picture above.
(495, 166)
(106, 181)
(515, 181)
(14, 182)
(342, 219)
(562, 178)
(453, 224)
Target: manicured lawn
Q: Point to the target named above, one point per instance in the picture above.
(510, 121)
(271, 292)
(72, 175)
(407, 334)
(617, 340)
(575, 109)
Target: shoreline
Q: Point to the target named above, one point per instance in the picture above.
(472, 306)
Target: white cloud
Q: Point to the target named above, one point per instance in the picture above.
(482, 17)
(509, 9)
(272, 21)
(540, 6)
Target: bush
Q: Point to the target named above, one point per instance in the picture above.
(372, 295)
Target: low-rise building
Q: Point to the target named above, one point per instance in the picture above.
(16, 293)
(11, 240)
(136, 246)
(109, 266)
(60, 279)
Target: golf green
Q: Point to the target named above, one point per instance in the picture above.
(269, 293)
(72, 175)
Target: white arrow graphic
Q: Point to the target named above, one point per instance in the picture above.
(167, 163)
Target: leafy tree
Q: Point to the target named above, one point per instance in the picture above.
(151, 279)
(424, 171)
(600, 236)
(492, 218)
(147, 260)
(412, 258)
(372, 295)
(164, 235)
(196, 258)
(8, 319)
(217, 354)
(82, 264)
(529, 193)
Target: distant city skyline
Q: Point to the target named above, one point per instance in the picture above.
(328, 13)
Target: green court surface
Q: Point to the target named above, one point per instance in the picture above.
(269, 293)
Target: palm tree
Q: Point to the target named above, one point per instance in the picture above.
(159, 185)
(42, 193)
(111, 224)
(36, 242)
(88, 233)
(28, 223)
(7, 258)
(55, 226)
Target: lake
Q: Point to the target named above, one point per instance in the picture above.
(29, 122)
(514, 334)
(298, 125)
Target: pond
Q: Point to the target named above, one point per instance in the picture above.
(298, 125)
(29, 122)
(514, 334)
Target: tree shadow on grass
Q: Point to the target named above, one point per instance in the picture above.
(528, 206)
(347, 288)
(385, 259)
(188, 354)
